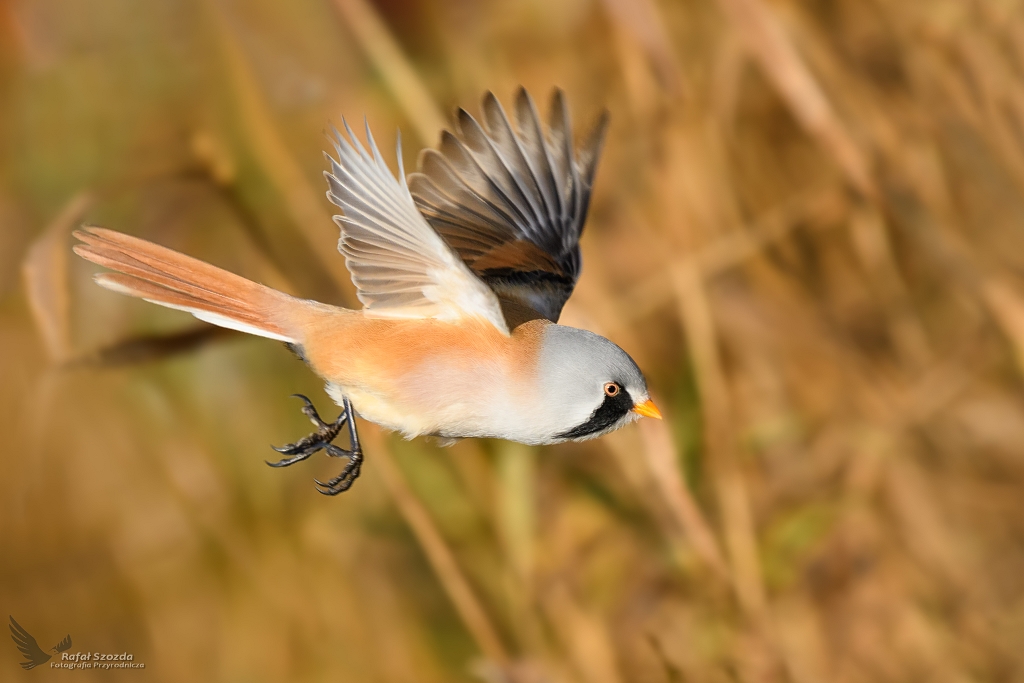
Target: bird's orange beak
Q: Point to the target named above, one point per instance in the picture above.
(647, 409)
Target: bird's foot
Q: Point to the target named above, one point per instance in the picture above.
(321, 439)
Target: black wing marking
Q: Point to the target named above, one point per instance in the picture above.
(512, 203)
(63, 645)
(28, 646)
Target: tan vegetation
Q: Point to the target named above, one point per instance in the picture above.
(808, 228)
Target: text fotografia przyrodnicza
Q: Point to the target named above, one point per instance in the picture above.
(97, 660)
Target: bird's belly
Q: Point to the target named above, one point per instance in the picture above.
(438, 400)
(379, 410)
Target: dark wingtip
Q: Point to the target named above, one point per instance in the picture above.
(489, 98)
(525, 107)
(493, 113)
(462, 117)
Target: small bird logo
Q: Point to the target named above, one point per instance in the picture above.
(27, 645)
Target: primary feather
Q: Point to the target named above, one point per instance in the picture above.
(512, 203)
(400, 266)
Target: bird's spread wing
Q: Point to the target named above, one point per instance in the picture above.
(64, 644)
(400, 266)
(512, 203)
(27, 645)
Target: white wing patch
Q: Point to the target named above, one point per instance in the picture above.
(401, 267)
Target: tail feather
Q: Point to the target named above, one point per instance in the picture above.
(169, 278)
(121, 261)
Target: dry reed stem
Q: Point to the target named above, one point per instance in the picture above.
(386, 55)
(663, 461)
(639, 474)
(516, 515)
(800, 635)
(440, 556)
(730, 64)
(702, 343)
(869, 232)
(994, 88)
(958, 258)
(643, 20)
(730, 251)
(304, 204)
(45, 273)
(584, 635)
(1007, 308)
(872, 245)
(927, 533)
(634, 66)
(764, 37)
(982, 70)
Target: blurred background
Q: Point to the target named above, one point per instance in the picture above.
(807, 227)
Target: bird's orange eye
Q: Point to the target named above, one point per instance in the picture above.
(612, 389)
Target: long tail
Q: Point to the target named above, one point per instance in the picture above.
(169, 278)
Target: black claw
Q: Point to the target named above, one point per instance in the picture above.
(321, 440)
(284, 462)
(339, 484)
(328, 492)
(349, 473)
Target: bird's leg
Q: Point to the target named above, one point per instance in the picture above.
(348, 475)
(321, 439)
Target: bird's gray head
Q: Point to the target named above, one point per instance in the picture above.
(592, 385)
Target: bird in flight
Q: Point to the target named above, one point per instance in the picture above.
(27, 645)
(462, 269)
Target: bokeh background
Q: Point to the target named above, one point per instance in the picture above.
(807, 227)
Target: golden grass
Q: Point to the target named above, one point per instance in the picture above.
(806, 228)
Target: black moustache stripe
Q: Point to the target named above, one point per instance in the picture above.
(608, 413)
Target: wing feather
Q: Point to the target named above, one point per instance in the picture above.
(506, 145)
(486, 169)
(565, 171)
(400, 266)
(483, 206)
(512, 203)
(538, 154)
